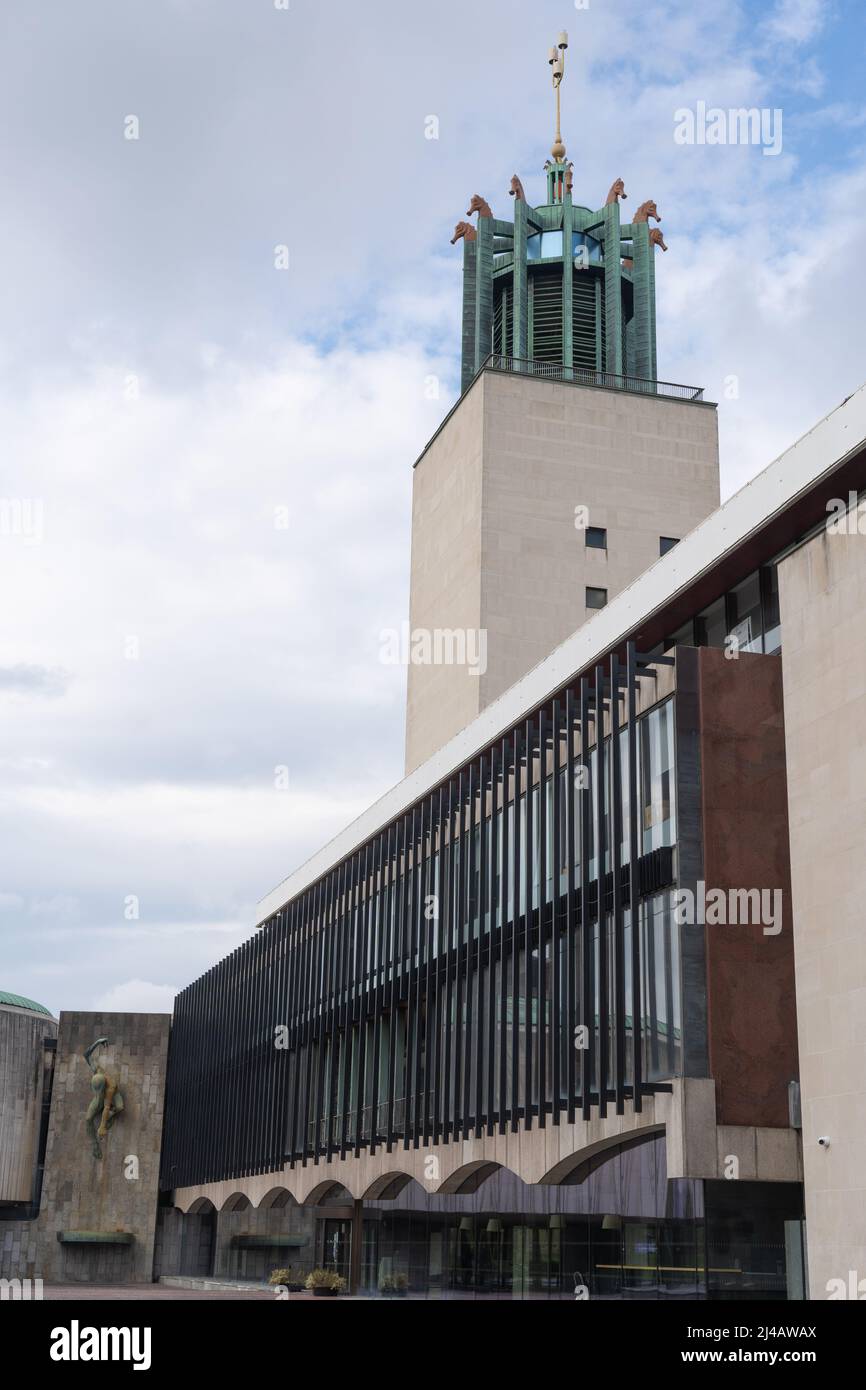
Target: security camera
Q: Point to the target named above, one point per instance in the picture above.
(824, 1141)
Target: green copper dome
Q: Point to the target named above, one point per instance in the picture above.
(17, 1001)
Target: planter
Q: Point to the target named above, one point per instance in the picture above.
(325, 1293)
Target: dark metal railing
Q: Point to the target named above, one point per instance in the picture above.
(329, 1129)
(582, 376)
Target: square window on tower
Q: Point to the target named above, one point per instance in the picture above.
(596, 598)
(596, 538)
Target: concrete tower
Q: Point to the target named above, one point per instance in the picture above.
(566, 468)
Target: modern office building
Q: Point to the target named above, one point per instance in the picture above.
(571, 1007)
(578, 1000)
(580, 1005)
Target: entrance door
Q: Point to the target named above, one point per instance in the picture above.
(335, 1250)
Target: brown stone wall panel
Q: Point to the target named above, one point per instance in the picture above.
(751, 1007)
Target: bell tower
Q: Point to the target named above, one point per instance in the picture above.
(561, 283)
(566, 468)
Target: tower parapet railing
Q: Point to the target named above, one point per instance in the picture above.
(584, 376)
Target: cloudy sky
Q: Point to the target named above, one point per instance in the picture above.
(205, 457)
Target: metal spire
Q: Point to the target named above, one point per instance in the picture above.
(557, 63)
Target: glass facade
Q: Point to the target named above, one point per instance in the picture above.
(504, 952)
(615, 1229)
(500, 1018)
(747, 615)
(475, 967)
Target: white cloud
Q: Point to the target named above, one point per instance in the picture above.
(798, 21)
(254, 647)
(847, 115)
(136, 997)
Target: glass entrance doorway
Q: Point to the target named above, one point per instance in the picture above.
(335, 1246)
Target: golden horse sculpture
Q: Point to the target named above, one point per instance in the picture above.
(464, 229)
(617, 191)
(516, 189)
(656, 238)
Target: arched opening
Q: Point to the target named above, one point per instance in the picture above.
(277, 1199)
(577, 1167)
(468, 1178)
(387, 1187)
(201, 1206)
(328, 1194)
(238, 1201)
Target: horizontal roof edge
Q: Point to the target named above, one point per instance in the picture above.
(487, 367)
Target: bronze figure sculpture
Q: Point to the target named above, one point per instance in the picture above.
(617, 191)
(656, 238)
(107, 1100)
(516, 189)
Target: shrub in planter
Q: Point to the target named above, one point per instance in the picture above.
(401, 1285)
(290, 1279)
(324, 1283)
(386, 1286)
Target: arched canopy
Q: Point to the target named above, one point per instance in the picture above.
(469, 1177)
(202, 1206)
(387, 1187)
(277, 1197)
(577, 1167)
(327, 1193)
(238, 1201)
